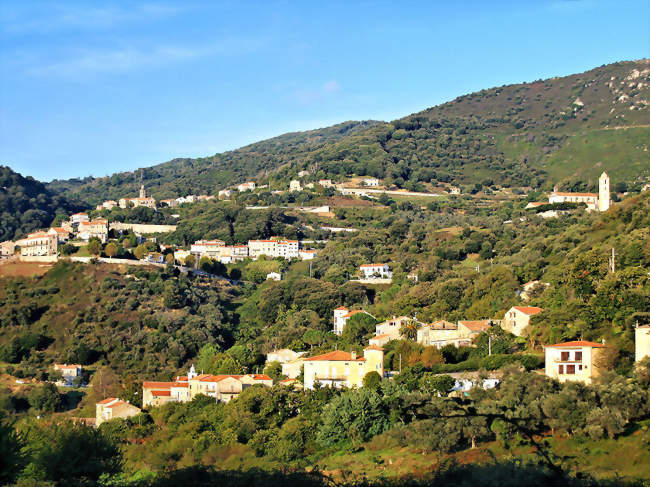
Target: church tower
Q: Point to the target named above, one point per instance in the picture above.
(603, 192)
(143, 193)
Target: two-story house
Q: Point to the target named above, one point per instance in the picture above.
(343, 369)
(517, 318)
(573, 361)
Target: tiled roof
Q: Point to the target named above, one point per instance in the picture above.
(161, 393)
(341, 308)
(157, 385)
(372, 265)
(579, 343)
(529, 310)
(117, 403)
(260, 377)
(384, 335)
(354, 312)
(337, 355)
(107, 400)
(594, 195)
(476, 325)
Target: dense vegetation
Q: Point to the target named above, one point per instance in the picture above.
(26, 205)
(538, 134)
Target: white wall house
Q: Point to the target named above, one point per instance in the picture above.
(573, 361)
(517, 318)
(368, 271)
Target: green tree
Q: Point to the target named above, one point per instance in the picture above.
(45, 398)
(372, 380)
(357, 327)
(172, 295)
(140, 251)
(12, 457)
(274, 371)
(71, 454)
(94, 246)
(353, 417)
(111, 249)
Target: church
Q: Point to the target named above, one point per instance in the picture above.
(600, 201)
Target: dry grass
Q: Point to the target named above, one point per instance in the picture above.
(24, 269)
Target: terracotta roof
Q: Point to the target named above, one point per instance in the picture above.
(67, 366)
(157, 385)
(80, 214)
(180, 384)
(59, 230)
(108, 399)
(594, 195)
(383, 335)
(354, 312)
(529, 310)
(161, 393)
(477, 325)
(118, 403)
(260, 377)
(579, 343)
(341, 308)
(374, 347)
(181, 378)
(372, 265)
(337, 355)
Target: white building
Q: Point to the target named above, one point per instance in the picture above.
(225, 193)
(390, 329)
(78, 218)
(600, 201)
(307, 254)
(38, 244)
(283, 356)
(641, 342)
(274, 276)
(573, 361)
(341, 317)
(369, 271)
(249, 186)
(274, 247)
(370, 181)
(517, 318)
(294, 185)
(326, 183)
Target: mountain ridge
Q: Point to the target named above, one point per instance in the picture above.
(511, 135)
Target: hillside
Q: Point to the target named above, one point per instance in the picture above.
(26, 205)
(560, 130)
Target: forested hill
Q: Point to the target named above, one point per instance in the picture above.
(560, 130)
(26, 205)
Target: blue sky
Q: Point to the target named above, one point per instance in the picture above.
(92, 88)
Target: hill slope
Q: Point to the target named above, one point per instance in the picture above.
(26, 205)
(561, 130)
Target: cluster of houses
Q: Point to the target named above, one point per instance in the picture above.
(150, 202)
(570, 361)
(273, 247)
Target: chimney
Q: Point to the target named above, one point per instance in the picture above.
(353, 355)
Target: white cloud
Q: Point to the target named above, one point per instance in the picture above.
(307, 96)
(80, 62)
(50, 17)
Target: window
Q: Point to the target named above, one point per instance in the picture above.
(564, 356)
(578, 356)
(571, 369)
(560, 369)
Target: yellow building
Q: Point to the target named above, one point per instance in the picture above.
(641, 342)
(343, 369)
(111, 408)
(517, 318)
(573, 361)
(38, 244)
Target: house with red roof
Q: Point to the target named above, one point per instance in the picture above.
(343, 369)
(341, 317)
(111, 408)
(517, 318)
(573, 361)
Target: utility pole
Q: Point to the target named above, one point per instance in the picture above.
(612, 261)
(489, 344)
(310, 268)
(400, 363)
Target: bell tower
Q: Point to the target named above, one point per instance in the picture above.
(603, 192)
(143, 193)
